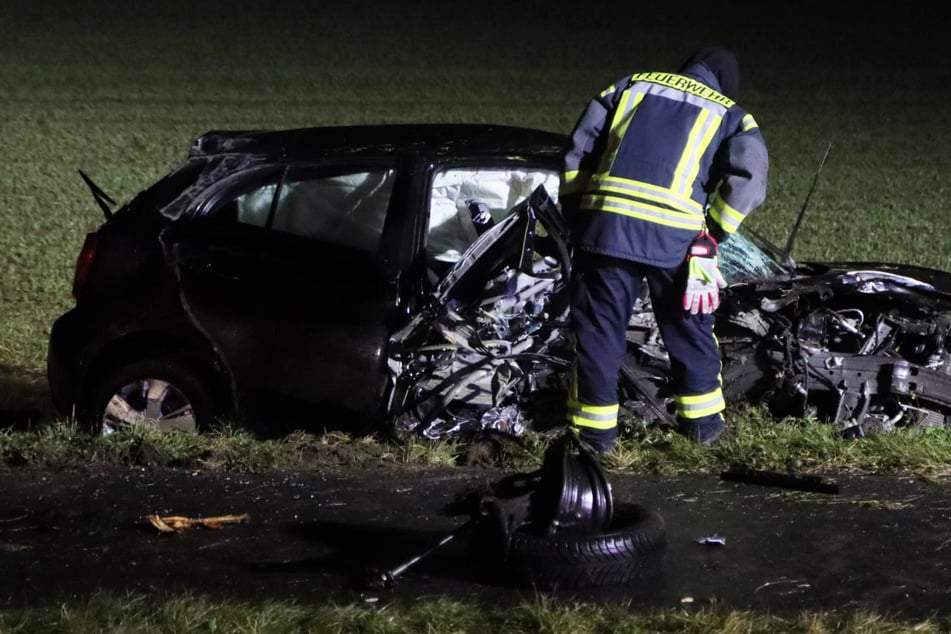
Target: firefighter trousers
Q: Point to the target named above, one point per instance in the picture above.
(604, 290)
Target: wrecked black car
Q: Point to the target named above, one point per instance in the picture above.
(413, 278)
(261, 280)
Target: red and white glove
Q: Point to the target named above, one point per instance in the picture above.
(704, 280)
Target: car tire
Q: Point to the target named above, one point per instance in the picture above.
(754, 375)
(745, 372)
(628, 550)
(164, 393)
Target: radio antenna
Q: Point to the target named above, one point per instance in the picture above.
(802, 210)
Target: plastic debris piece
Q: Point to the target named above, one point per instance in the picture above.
(174, 523)
(798, 584)
(14, 548)
(718, 540)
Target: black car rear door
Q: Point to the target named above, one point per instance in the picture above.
(285, 273)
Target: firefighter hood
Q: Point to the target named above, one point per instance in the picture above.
(717, 67)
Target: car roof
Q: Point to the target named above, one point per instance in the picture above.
(446, 139)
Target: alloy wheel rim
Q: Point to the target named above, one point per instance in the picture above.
(150, 402)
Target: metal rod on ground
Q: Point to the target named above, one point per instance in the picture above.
(384, 579)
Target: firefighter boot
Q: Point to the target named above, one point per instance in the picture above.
(600, 441)
(706, 433)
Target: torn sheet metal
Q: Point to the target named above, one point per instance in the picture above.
(882, 281)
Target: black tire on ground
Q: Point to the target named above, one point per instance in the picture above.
(630, 549)
(165, 392)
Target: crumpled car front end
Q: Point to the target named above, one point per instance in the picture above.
(864, 346)
(867, 346)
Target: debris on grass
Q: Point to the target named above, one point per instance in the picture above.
(175, 523)
(712, 540)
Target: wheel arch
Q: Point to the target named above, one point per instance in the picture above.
(200, 356)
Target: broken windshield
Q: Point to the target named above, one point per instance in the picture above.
(746, 257)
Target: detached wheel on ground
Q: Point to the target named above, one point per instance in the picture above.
(165, 394)
(629, 549)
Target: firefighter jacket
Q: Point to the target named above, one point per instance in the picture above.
(654, 157)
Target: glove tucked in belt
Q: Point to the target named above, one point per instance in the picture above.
(704, 280)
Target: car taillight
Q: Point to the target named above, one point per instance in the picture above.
(84, 263)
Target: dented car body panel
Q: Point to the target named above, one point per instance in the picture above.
(414, 278)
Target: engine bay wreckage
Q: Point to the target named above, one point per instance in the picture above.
(864, 346)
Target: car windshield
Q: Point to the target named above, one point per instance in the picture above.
(747, 257)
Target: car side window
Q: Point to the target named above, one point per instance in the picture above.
(347, 209)
(465, 201)
(254, 207)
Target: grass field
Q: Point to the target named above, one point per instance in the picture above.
(120, 90)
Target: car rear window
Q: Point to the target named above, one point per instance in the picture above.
(161, 194)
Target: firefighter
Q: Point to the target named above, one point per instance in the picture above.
(660, 169)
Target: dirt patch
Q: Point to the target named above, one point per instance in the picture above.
(24, 398)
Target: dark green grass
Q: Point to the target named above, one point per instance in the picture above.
(120, 90)
(753, 440)
(196, 614)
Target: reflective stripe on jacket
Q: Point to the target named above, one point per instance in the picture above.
(649, 156)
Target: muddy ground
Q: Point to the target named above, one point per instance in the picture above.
(880, 543)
